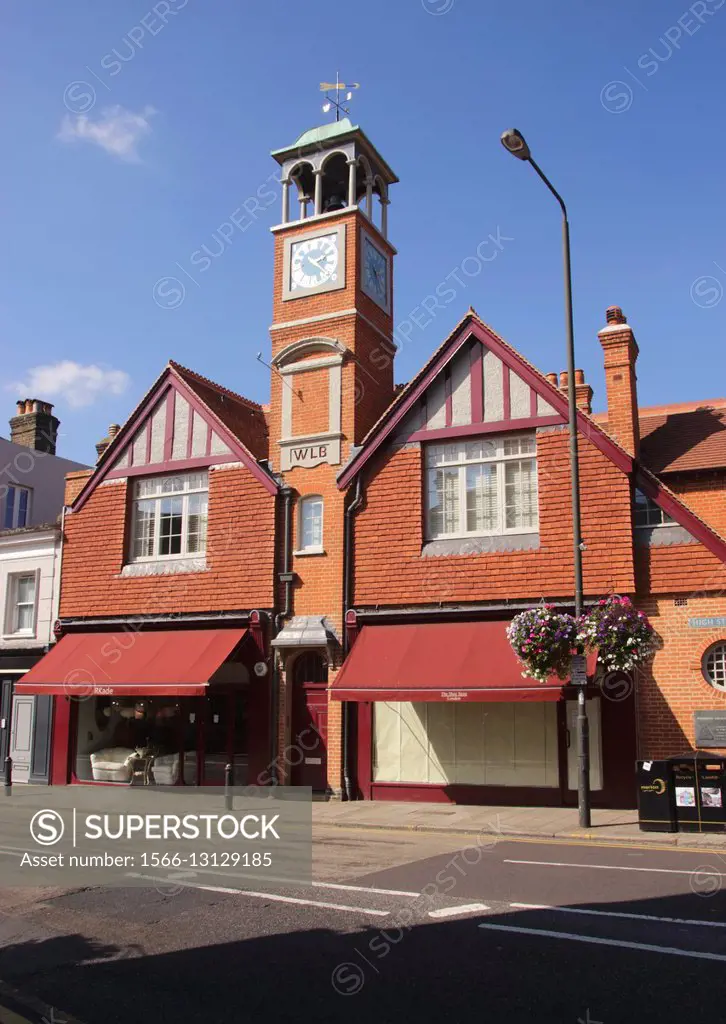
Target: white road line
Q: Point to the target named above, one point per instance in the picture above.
(643, 946)
(618, 913)
(364, 888)
(618, 867)
(467, 908)
(274, 897)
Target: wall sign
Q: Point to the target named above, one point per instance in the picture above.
(716, 622)
(455, 695)
(710, 728)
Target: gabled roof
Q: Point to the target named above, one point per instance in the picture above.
(238, 423)
(471, 326)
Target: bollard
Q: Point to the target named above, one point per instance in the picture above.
(8, 775)
(228, 783)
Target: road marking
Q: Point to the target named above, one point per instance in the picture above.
(618, 913)
(274, 897)
(364, 888)
(643, 946)
(616, 867)
(468, 908)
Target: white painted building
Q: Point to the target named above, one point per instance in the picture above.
(32, 482)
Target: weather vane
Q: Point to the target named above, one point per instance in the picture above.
(337, 87)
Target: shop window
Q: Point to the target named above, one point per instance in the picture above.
(647, 514)
(145, 741)
(17, 507)
(486, 487)
(497, 744)
(21, 604)
(310, 525)
(714, 665)
(169, 517)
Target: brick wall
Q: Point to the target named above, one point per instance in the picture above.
(705, 493)
(673, 686)
(240, 553)
(389, 535)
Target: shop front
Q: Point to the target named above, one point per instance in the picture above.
(444, 715)
(164, 707)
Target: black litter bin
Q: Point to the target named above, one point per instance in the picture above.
(699, 783)
(656, 799)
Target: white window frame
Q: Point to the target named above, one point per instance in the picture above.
(650, 508)
(17, 491)
(12, 605)
(312, 549)
(717, 652)
(461, 462)
(147, 483)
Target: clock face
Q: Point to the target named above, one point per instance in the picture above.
(314, 261)
(375, 273)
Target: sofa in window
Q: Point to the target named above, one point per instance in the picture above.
(113, 764)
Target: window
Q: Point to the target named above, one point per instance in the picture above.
(169, 516)
(647, 513)
(21, 604)
(310, 532)
(476, 488)
(17, 507)
(714, 665)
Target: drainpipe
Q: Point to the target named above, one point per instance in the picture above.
(286, 577)
(348, 597)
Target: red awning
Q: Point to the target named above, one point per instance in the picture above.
(175, 663)
(454, 661)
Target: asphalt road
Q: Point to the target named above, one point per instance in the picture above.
(395, 927)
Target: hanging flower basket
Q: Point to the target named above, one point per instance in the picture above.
(622, 635)
(543, 639)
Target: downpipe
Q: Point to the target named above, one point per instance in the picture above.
(348, 579)
(285, 576)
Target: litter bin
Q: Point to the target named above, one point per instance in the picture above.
(699, 783)
(656, 801)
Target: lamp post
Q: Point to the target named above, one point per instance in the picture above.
(515, 143)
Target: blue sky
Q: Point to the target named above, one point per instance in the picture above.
(622, 105)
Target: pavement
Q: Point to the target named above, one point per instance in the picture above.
(612, 826)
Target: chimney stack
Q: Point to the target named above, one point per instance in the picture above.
(106, 441)
(583, 391)
(621, 354)
(35, 426)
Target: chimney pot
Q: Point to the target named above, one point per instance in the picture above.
(552, 378)
(579, 376)
(615, 315)
(113, 430)
(563, 380)
(34, 425)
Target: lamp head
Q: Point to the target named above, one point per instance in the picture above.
(514, 142)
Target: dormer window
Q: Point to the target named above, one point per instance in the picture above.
(486, 487)
(169, 516)
(647, 514)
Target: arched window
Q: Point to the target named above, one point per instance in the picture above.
(310, 667)
(310, 524)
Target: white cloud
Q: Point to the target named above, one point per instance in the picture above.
(78, 385)
(116, 130)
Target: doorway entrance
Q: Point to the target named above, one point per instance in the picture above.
(22, 717)
(310, 722)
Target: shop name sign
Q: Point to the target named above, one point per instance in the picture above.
(715, 622)
(455, 695)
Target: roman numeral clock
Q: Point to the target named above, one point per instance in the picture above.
(332, 328)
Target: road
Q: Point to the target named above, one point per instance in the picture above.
(396, 927)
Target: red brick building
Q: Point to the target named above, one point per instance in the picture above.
(318, 591)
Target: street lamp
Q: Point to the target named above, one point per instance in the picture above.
(515, 143)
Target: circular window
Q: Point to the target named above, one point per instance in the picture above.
(714, 665)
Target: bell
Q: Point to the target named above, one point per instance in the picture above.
(333, 202)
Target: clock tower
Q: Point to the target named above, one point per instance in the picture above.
(332, 360)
